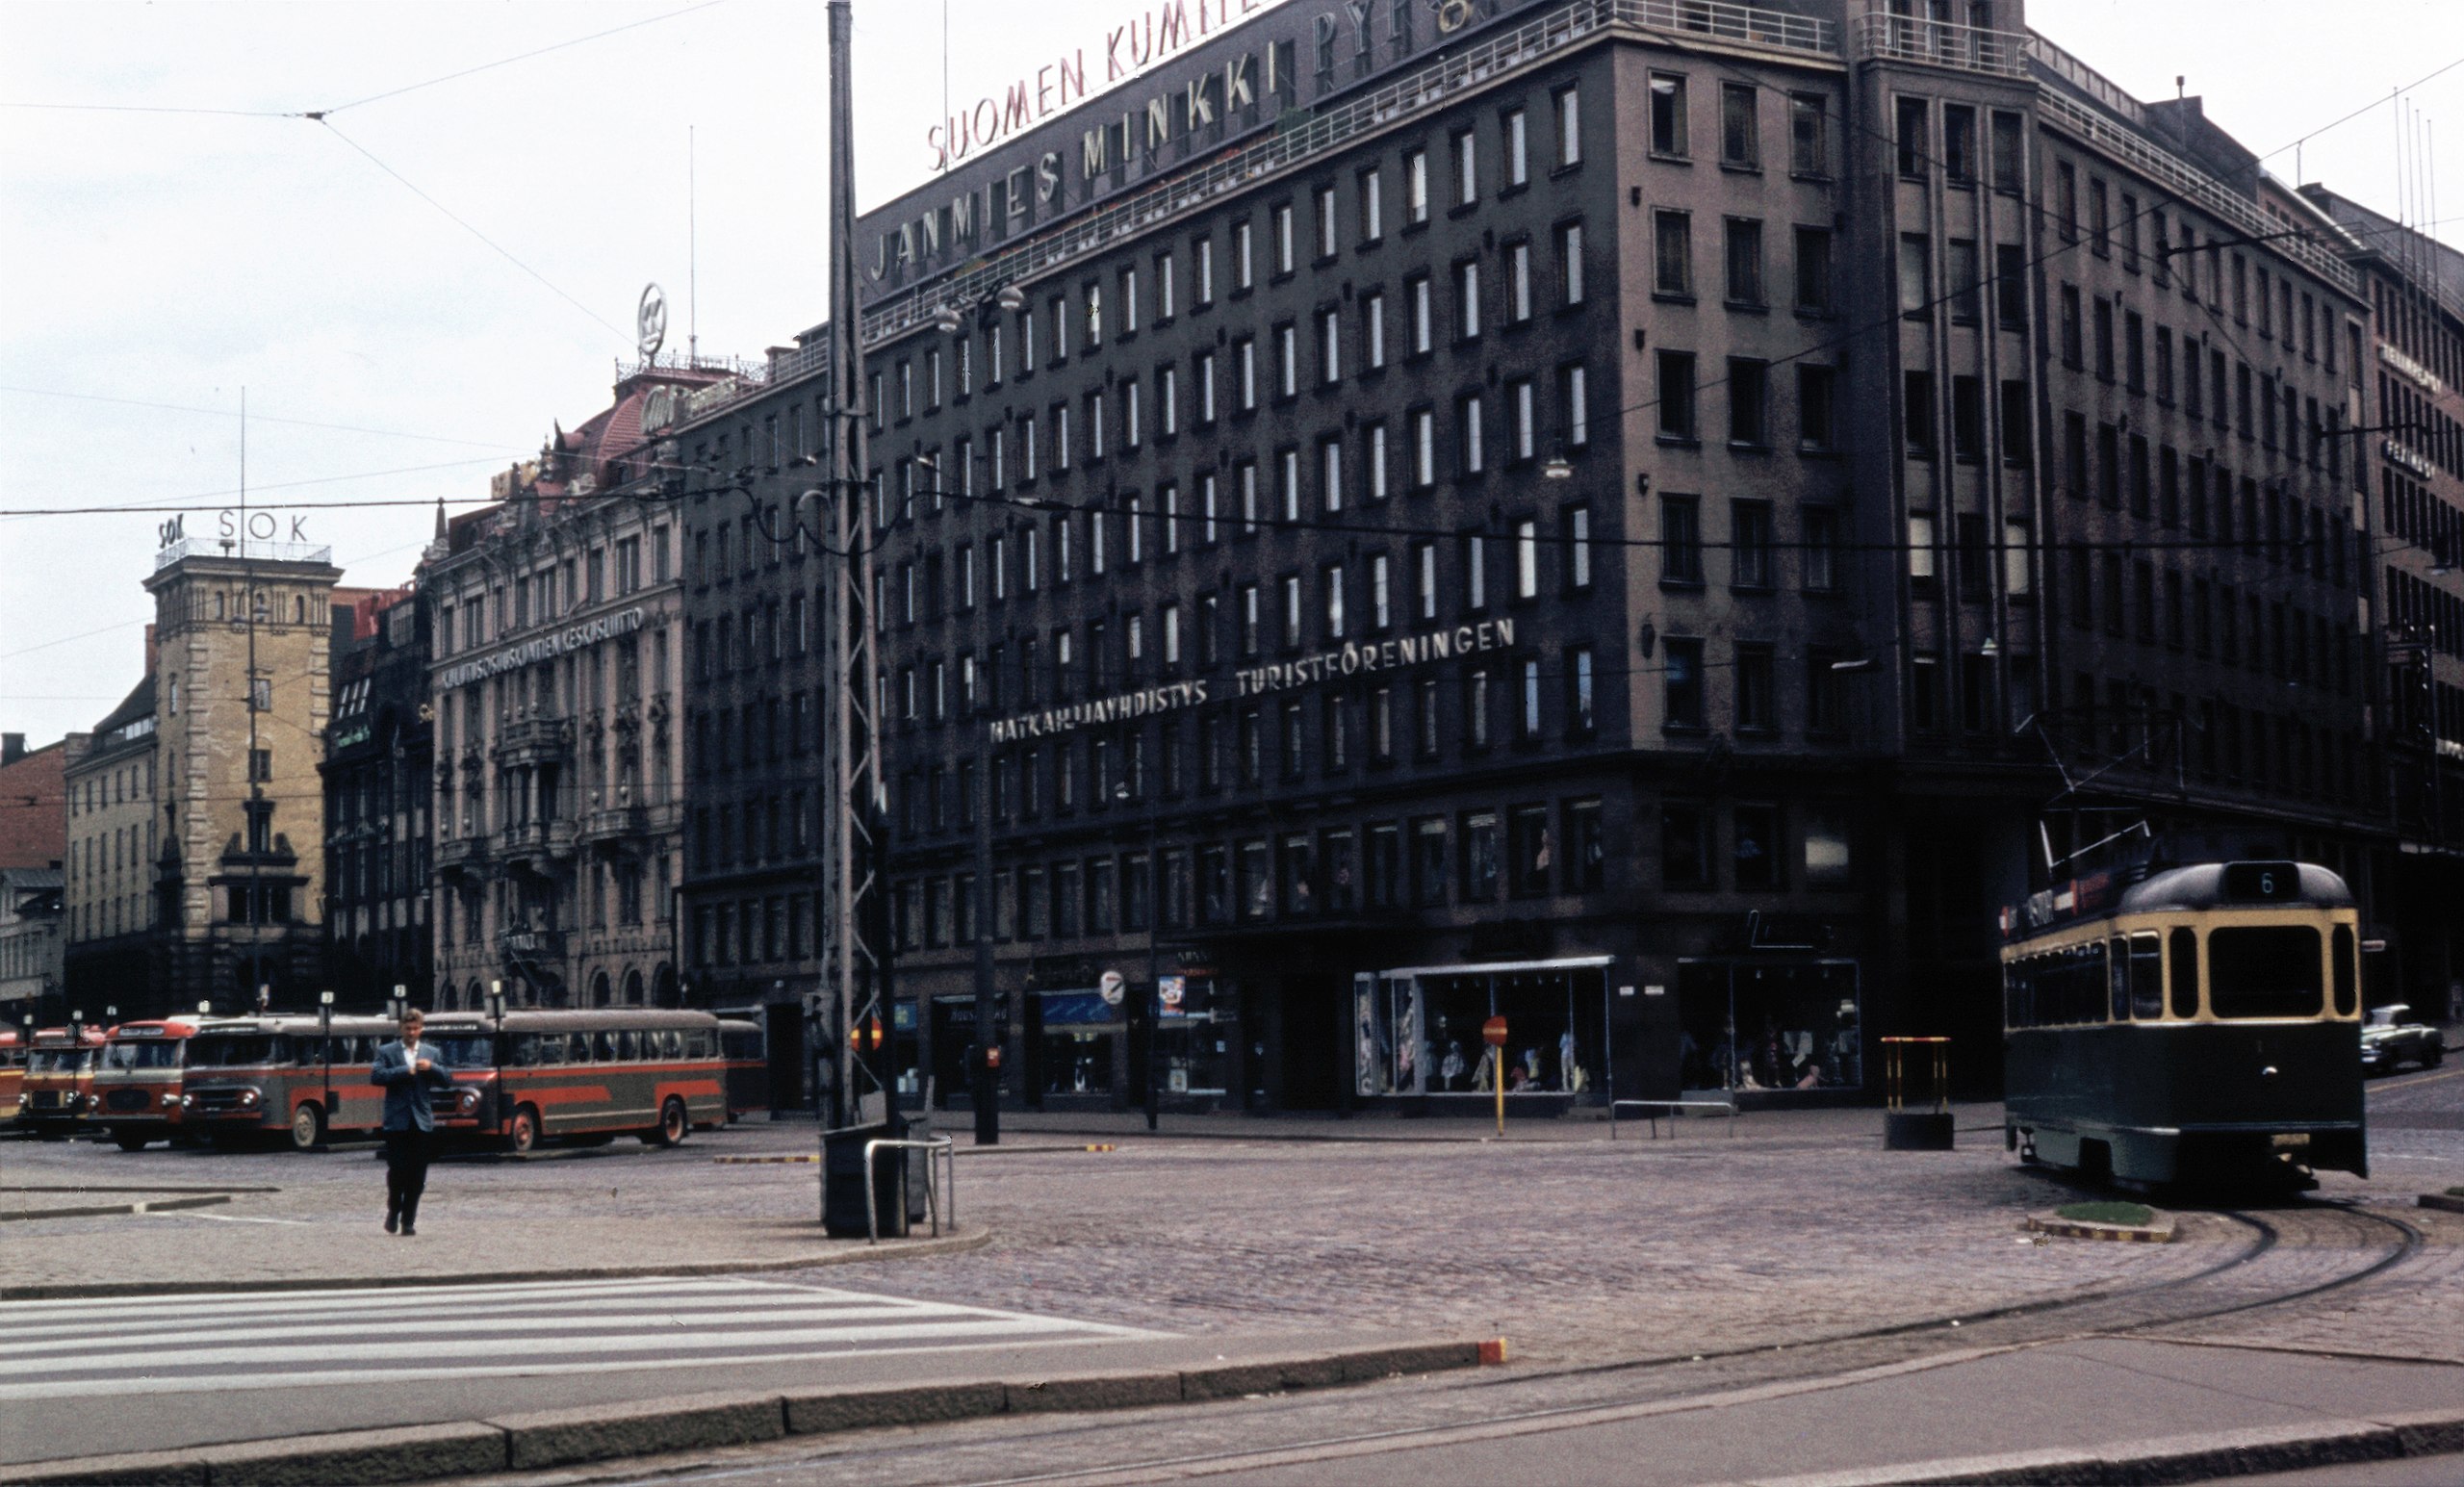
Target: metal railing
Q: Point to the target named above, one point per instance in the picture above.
(1939, 43)
(2168, 169)
(1653, 1109)
(2085, 78)
(240, 549)
(936, 1149)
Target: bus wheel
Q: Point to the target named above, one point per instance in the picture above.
(307, 1126)
(674, 1125)
(525, 1131)
(128, 1141)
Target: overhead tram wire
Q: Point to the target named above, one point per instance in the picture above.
(261, 417)
(321, 115)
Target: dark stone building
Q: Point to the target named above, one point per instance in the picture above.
(379, 752)
(1647, 521)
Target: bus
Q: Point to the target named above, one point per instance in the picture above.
(60, 1072)
(299, 1077)
(2200, 1025)
(748, 1064)
(13, 1072)
(136, 1096)
(584, 1076)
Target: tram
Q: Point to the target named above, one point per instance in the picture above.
(2201, 1024)
(59, 1074)
(287, 1075)
(13, 1072)
(135, 1094)
(533, 1076)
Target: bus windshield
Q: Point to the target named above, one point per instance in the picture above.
(51, 1061)
(235, 1050)
(134, 1056)
(2270, 971)
(468, 1050)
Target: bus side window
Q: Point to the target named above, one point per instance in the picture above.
(2347, 975)
(629, 1045)
(577, 1048)
(2118, 980)
(2147, 977)
(2185, 973)
(671, 1043)
(605, 1048)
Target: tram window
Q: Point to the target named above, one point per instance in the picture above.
(2147, 977)
(2185, 952)
(2347, 975)
(2270, 971)
(2117, 981)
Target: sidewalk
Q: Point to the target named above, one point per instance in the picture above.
(1978, 1121)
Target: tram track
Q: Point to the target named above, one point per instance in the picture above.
(1479, 1406)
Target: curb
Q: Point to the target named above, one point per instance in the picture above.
(553, 1438)
(807, 1159)
(900, 1249)
(108, 1210)
(2163, 1232)
(2445, 1201)
(2182, 1458)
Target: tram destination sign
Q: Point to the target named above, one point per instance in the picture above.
(1336, 664)
(623, 622)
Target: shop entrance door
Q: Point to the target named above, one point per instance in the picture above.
(786, 1046)
(1312, 1027)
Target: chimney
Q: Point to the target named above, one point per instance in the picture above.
(13, 748)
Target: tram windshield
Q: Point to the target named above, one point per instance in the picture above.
(134, 1056)
(2269, 971)
(237, 1050)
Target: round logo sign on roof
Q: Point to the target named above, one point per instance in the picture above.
(650, 320)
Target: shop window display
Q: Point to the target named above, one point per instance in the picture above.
(1195, 1035)
(1793, 1025)
(1075, 1042)
(1420, 1032)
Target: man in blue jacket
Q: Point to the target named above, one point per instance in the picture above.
(407, 1071)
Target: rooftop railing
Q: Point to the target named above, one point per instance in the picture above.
(1430, 87)
(1938, 43)
(2168, 169)
(2085, 78)
(239, 550)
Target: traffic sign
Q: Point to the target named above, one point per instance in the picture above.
(1494, 1030)
(1110, 985)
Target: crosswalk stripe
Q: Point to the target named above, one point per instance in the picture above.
(202, 1341)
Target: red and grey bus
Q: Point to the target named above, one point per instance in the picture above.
(747, 1067)
(135, 1094)
(60, 1073)
(300, 1076)
(534, 1076)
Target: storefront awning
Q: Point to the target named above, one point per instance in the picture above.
(1077, 1009)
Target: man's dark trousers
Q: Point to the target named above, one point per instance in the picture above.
(406, 1159)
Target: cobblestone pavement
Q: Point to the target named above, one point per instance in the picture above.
(1576, 1247)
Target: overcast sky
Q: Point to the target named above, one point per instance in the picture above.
(155, 262)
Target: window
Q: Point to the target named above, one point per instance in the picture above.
(1684, 846)
(1205, 270)
(1518, 148)
(1574, 399)
(1281, 220)
(1569, 118)
(2011, 286)
(1966, 294)
(1668, 114)
(1672, 253)
(1469, 455)
(1676, 395)
(1914, 124)
(1681, 540)
(1816, 419)
(1330, 367)
(1416, 187)
(1968, 417)
(1682, 679)
(1740, 126)
(1422, 331)
(2017, 418)
(1958, 145)
(1517, 282)
(1326, 203)
(1373, 328)
(2010, 164)
(1748, 402)
(1526, 558)
(1821, 555)
(1921, 550)
(1467, 301)
(1569, 264)
(1372, 195)
(1916, 275)
(1751, 544)
(1916, 413)
(1814, 270)
(1243, 258)
(1809, 134)
(1744, 260)
(1467, 170)
(1577, 523)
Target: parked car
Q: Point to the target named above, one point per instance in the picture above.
(2392, 1037)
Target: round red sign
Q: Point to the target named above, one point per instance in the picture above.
(1494, 1030)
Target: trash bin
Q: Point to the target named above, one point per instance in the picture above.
(1916, 1130)
(846, 1186)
